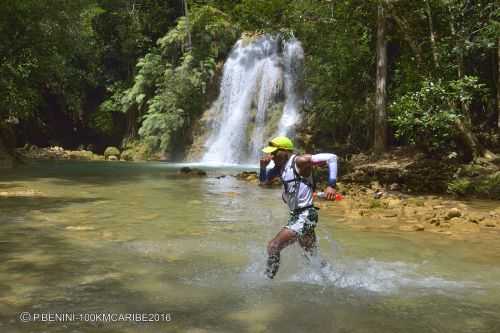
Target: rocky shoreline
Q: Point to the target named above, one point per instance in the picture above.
(372, 207)
(373, 200)
(59, 153)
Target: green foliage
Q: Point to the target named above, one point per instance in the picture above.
(269, 16)
(102, 119)
(427, 116)
(176, 101)
(212, 33)
(111, 151)
(461, 186)
(484, 186)
(376, 203)
(172, 93)
(46, 48)
(150, 68)
(64, 55)
(136, 150)
(337, 38)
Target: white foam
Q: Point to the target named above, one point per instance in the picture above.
(373, 275)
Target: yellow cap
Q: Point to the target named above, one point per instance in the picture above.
(279, 142)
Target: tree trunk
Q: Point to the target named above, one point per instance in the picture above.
(432, 35)
(406, 30)
(132, 129)
(498, 82)
(470, 144)
(186, 13)
(380, 125)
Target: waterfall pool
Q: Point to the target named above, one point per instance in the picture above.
(101, 237)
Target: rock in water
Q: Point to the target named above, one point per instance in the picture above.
(454, 212)
(416, 227)
(187, 171)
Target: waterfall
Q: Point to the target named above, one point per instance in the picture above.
(293, 57)
(256, 76)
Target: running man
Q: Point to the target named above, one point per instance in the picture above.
(295, 172)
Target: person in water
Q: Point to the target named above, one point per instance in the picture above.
(295, 172)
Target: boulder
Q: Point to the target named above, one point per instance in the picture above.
(111, 151)
(251, 177)
(187, 171)
(434, 220)
(393, 202)
(453, 212)
(416, 227)
(127, 155)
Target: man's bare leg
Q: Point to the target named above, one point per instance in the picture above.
(308, 243)
(310, 246)
(284, 238)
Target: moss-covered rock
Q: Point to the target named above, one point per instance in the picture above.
(137, 151)
(111, 151)
(127, 155)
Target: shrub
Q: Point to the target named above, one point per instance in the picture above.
(111, 151)
(427, 117)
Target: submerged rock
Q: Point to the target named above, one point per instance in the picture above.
(80, 228)
(187, 171)
(249, 176)
(416, 227)
(246, 174)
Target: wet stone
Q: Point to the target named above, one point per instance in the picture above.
(187, 171)
(453, 212)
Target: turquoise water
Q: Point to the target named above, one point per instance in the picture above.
(134, 237)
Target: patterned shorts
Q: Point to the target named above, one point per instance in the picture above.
(303, 222)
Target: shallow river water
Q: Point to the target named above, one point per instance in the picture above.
(135, 238)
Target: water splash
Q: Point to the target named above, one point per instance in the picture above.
(374, 276)
(370, 275)
(255, 77)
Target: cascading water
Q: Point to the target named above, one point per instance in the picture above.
(256, 76)
(293, 57)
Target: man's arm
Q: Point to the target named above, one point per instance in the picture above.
(306, 162)
(266, 175)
